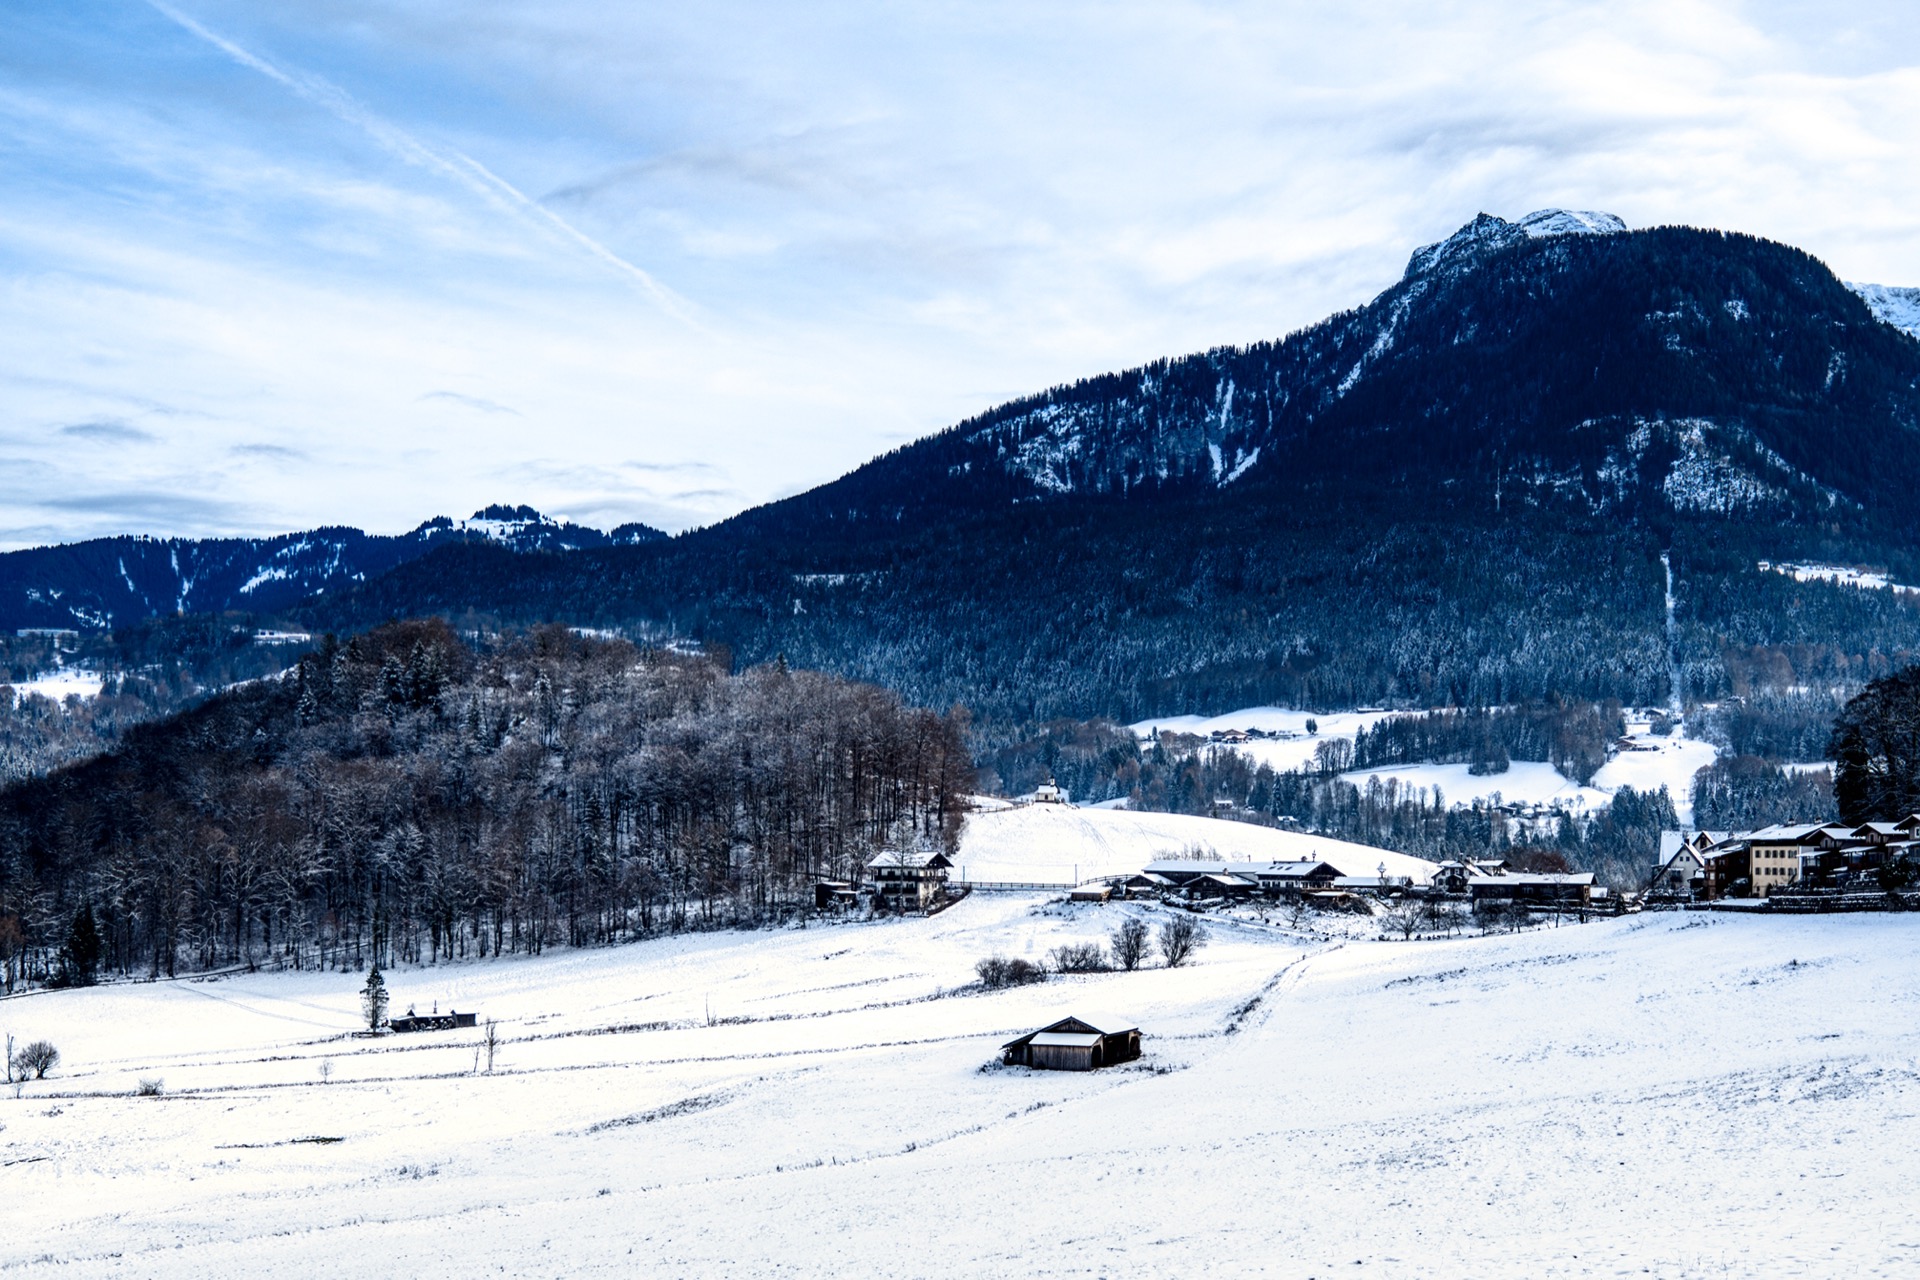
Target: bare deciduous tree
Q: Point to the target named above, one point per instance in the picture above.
(1080, 957)
(1180, 937)
(35, 1059)
(1130, 943)
(999, 971)
(1402, 916)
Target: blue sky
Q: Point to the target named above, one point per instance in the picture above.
(333, 261)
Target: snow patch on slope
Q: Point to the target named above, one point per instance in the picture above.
(1061, 845)
(1865, 579)
(1571, 222)
(1896, 305)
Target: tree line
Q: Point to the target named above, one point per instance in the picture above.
(411, 795)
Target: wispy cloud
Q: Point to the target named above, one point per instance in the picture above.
(476, 403)
(108, 432)
(448, 162)
(268, 452)
(140, 509)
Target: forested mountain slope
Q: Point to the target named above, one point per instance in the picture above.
(1459, 493)
(115, 582)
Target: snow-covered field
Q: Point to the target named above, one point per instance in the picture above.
(61, 684)
(1056, 844)
(1672, 763)
(1523, 782)
(1282, 754)
(1843, 575)
(1669, 1095)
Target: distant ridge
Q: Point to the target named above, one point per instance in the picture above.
(113, 582)
(1466, 492)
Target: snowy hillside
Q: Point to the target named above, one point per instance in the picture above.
(1056, 844)
(1523, 782)
(1291, 748)
(1568, 1102)
(61, 684)
(1843, 575)
(1667, 762)
(1897, 306)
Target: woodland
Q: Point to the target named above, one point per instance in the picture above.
(412, 794)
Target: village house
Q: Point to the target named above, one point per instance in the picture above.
(1680, 870)
(1709, 865)
(908, 881)
(1074, 1044)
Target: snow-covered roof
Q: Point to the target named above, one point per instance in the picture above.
(1783, 834)
(1544, 878)
(911, 858)
(1067, 1039)
(1100, 1024)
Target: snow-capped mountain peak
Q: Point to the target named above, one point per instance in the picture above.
(1570, 222)
(1488, 232)
(1896, 305)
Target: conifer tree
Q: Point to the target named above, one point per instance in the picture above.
(373, 999)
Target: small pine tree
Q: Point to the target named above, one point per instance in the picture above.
(373, 999)
(83, 947)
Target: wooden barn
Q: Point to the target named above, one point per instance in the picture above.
(1074, 1044)
(435, 1021)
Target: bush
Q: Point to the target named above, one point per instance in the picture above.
(1080, 957)
(1180, 937)
(150, 1086)
(998, 971)
(1130, 944)
(35, 1060)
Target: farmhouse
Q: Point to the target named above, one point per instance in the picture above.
(1573, 889)
(448, 1021)
(1220, 885)
(1299, 876)
(1213, 878)
(1074, 1044)
(909, 881)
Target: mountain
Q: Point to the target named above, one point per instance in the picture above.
(113, 582)
(1899, 307)
(1467, 491)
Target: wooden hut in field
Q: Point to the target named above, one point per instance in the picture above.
(1074, 1044)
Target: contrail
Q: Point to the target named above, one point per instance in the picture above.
(459, 167)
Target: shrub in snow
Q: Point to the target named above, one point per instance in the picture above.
(1130, 944)
(1180, 937)
(999, 971)
(150, 1086)
(1080, 957)
(35, 1060)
